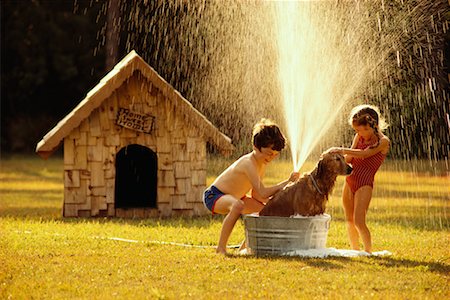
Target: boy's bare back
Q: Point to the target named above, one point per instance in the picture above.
(235, 179)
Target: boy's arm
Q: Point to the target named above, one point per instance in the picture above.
(257, 185)
(258, 197)
(255, 194)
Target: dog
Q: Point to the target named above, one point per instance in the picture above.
(308, 195)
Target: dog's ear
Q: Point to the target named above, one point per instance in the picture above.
(320, 168)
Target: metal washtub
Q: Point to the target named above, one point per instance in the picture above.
(278, 235)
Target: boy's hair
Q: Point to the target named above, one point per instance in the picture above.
(366, 114)
(267, 134)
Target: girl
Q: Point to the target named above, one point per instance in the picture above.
(368, 151)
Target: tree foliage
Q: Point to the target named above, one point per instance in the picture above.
(47, 53)
(53, 53)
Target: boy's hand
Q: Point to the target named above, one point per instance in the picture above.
(294, 176)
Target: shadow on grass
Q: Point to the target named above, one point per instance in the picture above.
(392, 262)
(411, 217)
(418, 217)
(49, 214)
(33, 195)
(381, 192)
(327, 263)
(45, 213)
(182, 222)
(334, 262)
(423, 217)
(54, 213)
(32, 169)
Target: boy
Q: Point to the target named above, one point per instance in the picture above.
(227, 194)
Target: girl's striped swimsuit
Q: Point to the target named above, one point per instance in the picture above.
(364, 169)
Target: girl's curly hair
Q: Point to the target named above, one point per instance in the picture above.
(366, 114)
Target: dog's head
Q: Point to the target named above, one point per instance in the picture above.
(333, 163)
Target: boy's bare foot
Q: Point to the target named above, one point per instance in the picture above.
(221, 251)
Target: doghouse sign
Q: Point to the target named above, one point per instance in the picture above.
(133, 120)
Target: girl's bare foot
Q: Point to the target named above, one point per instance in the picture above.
(243, 245)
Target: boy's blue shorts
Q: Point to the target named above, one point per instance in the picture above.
(210, 196)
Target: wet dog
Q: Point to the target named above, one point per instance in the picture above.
(308, 196)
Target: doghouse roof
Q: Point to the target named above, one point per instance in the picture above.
(112, 81)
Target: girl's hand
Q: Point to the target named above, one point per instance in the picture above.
(294, 176)
(337, 150)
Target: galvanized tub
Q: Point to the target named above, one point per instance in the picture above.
(279, 235)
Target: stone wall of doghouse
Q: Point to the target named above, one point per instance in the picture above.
(90, 151)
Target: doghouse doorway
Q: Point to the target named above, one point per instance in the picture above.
(136, 177)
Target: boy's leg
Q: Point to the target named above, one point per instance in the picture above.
(252, 205)
(362, 200)
(349, 209)
(234, 207)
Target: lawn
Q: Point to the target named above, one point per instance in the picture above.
(43, 256)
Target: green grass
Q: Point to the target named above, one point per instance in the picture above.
(44, 256)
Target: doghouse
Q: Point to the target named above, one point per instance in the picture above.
(134, 147)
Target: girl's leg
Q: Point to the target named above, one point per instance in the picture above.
(233, 207)
(362, 200)
(349, 209)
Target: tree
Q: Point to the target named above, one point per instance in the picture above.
(113, 22)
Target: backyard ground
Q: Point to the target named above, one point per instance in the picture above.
(44, 256)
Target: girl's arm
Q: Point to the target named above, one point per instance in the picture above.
(383, 146)
(348, 159)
